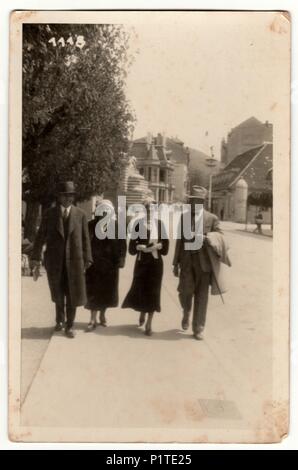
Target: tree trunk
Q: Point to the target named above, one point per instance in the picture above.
(31, 220)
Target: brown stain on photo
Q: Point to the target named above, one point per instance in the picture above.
(16, 407)
(193, 411)
(14, 437)
(19, 17)
(280, 291)
(278, 24)
(273, 106)
(166, 410)
(276, 422)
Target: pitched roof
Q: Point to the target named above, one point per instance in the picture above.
(174, 151)
(141, 139)
(179, 153)
(236, 167)
(240, 162)
(139, 149)
(252, 121)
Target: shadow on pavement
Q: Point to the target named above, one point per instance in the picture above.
(133, 331)
(37, 333)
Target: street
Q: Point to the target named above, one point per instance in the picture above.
(118, 377)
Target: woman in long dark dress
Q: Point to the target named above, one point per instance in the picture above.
(102, 277)
(144, 293)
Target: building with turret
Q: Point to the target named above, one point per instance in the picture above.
(164, 164)
(154, 164)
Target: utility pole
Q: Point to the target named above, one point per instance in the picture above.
(211, 163)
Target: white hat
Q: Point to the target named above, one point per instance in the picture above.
(105, 205)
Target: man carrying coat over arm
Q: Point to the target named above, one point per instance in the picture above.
(193, 266)
(64, 231)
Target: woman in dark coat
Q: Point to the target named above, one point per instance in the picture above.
(144, 294)
(102, 278)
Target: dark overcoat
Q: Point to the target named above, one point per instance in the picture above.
(71, 253)
(210, 224)
(102, 278)
(144, 293)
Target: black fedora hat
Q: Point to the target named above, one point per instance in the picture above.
(66, 187)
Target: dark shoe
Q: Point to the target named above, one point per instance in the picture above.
(148, 332)
(185, 321)
(90, 327)
(142, 318)
(69, 333)
(198, 336)
(58, 327)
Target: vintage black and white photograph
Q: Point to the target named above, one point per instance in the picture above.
(149, 235)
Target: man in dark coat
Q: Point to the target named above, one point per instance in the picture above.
(194, 269)
(64, 231)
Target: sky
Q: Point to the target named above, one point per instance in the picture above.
(197, 74)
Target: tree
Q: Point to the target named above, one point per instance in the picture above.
(76, 120)
(260, 199)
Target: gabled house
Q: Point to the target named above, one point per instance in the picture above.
(247, 173)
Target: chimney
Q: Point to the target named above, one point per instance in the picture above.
(149, 140)
(159, 139)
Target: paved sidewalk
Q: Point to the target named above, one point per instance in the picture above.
(118, 377)
(248, 229)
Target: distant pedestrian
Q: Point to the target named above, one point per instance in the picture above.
(144, 293)
(259, 221)
(102, 278)
(64, 231)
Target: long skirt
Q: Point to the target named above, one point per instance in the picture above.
(102, 286)
(144, 293)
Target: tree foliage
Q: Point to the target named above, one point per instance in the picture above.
(76, 119)
(261, 199)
